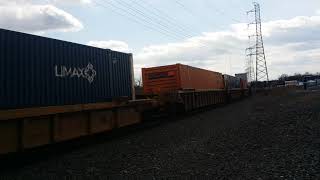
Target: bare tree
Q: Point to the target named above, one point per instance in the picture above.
(283, 77)
(138, 82)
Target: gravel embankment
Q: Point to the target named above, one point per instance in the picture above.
(263, 137)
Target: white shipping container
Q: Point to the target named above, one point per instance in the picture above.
(291, 83)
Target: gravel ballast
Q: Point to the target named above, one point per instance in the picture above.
(262, 137)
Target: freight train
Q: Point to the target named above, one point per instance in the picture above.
(187, 88)
(54, 91)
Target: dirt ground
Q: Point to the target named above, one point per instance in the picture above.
(275, 136)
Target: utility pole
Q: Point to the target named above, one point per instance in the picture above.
(260, 71)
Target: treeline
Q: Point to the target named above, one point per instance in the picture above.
(299, 77)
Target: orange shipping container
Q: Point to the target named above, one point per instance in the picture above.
(170, 78)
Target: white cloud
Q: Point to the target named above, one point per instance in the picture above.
(23, 15)
(318, 12)
(297, 22)
(214, 51)
(291, 46)
(114, 45)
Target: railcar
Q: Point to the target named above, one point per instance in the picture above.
(54, 91)
(186, 88)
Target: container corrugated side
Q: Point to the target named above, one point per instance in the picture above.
(199, 79)
(37, 71)
(175, 77)
(160, 79)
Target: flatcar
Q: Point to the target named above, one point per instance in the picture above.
(187, 88)
(54, 91)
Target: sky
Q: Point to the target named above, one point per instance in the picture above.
(210, 34)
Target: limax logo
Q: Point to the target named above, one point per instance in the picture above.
(88, 73)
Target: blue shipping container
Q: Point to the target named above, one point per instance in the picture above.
(37, 71)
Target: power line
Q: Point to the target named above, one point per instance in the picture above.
(164, 18)
(222, 12)
(130, 17)
(184, 7)
(238, 6)
(140, 15)
(151, 19)
(140, 20)
(189, 11)
(167, 17)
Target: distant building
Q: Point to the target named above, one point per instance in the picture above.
(243, 76)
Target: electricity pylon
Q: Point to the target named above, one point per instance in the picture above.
(256, 50)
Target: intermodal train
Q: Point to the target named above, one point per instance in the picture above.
(186, 88)
(54, 91)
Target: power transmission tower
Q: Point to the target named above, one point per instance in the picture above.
(260, 71)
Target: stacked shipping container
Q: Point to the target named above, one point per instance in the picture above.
(164, 79)
(37, 71)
